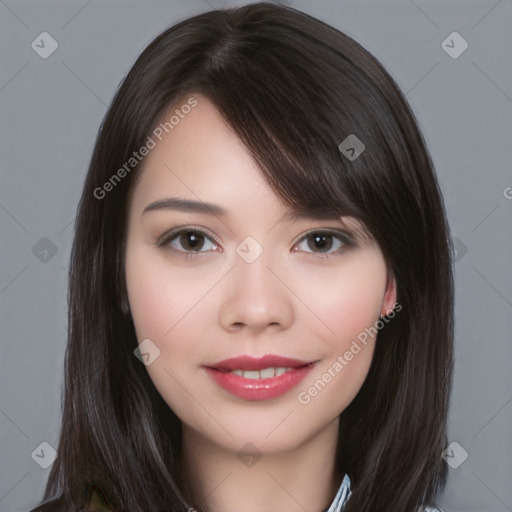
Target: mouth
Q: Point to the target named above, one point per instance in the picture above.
(246, 363)
(265, 373)
(259, 378)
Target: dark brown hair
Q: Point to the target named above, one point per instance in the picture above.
(292, 88)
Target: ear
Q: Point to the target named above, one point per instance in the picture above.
(389, 300)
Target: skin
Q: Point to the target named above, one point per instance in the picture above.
(290, 301)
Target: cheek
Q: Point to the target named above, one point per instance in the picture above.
(348, 299)
(348, 303)
(160, 296)
(169, 306)
(163, 300)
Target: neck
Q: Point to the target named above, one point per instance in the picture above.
(220, 480)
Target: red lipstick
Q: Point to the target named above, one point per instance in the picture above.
(252, 386)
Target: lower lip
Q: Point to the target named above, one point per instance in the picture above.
(259, 389)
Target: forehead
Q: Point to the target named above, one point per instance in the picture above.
(202, 160)
(199, 157)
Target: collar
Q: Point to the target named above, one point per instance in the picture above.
(342, 496)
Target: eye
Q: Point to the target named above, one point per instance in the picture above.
(188, 240)
(191, 242)
(324, 242)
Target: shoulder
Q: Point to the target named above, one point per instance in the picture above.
(97, 501)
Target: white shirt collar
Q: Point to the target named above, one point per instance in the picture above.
(342, 496)
(344, 493)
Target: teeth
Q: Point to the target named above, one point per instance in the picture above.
(266, 373)
(251, 375)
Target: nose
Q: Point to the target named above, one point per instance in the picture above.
(255, 297)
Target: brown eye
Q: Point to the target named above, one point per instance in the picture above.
(320, 241)
(188, 241)
(191, 240)
(324, 243)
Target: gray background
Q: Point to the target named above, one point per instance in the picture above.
(51, 111)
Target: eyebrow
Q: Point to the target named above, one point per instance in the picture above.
(184, 205)
(189, 205)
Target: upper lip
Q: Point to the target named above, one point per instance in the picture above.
(258, 363)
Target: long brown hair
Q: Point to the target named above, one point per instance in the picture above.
(292, 88)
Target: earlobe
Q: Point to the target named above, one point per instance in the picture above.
(389, 300)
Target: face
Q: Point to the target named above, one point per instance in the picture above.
(243, 277)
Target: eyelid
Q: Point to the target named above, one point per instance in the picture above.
(346, 238)
(170, 234)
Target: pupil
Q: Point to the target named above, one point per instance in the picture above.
(192, 240)
(321, 241)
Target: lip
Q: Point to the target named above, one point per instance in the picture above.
(258, 363)
(259, 389)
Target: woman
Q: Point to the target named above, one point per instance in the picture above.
(260, 286)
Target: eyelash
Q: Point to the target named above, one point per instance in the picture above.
(168, 237)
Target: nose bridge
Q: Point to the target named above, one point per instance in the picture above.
(253, 295)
